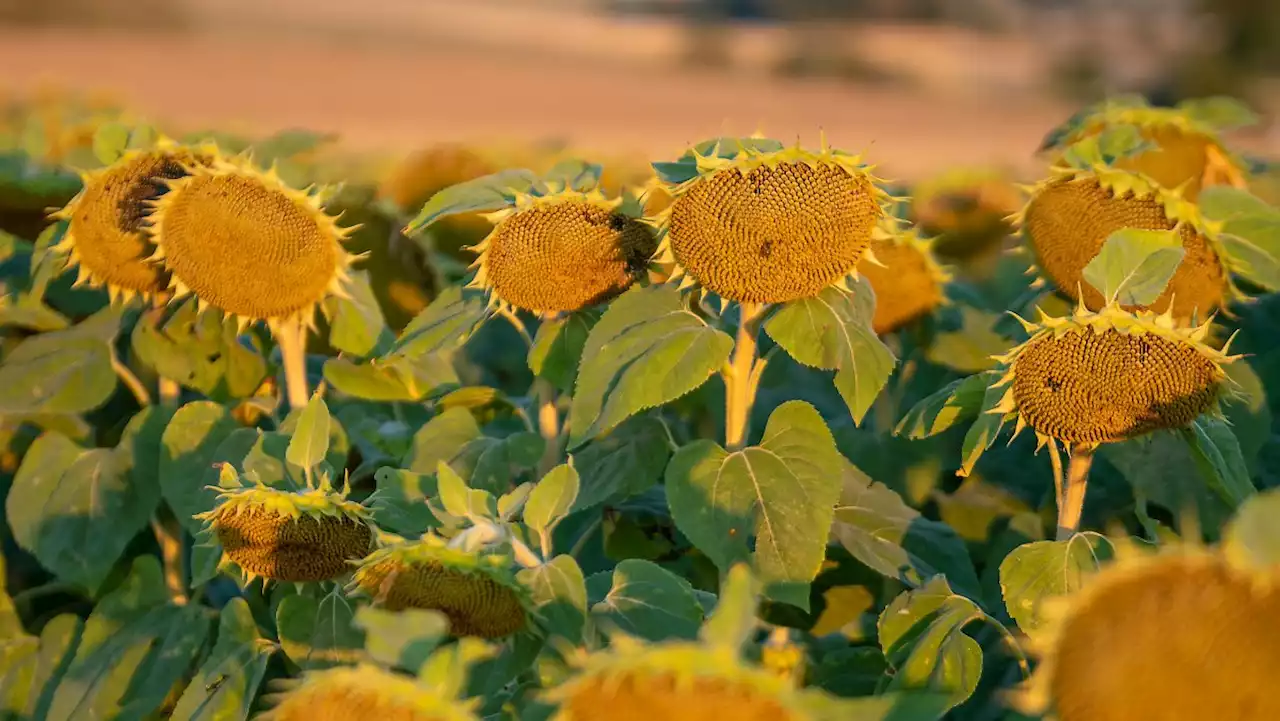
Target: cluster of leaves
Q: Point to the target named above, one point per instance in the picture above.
(892, 574)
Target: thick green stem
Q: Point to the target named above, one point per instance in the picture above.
(741, 378)
(1056, 459)
(1072, 506)
(291, 337)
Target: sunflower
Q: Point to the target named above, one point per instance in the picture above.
(1187, 152)
(107, 234)
(689, 680)
(302, 536)
(561, 251)
(1179, 635)
(244, 242)
(422, 174)
(769, 226)
(1071, 214)
(1107, 376)
(365, 693)
(476, 590)
(907, 280)
(966, 212)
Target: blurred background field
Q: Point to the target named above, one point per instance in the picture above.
(919, 85)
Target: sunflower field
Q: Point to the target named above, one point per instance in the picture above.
(292, 432)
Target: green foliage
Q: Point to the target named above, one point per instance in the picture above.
(659, 469)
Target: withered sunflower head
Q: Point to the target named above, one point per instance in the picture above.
(771, 226)
(476, 590)
(244, 242)
(907, 280)
(365, 693)
(108, 235)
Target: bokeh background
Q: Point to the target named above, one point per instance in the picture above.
(919, 85)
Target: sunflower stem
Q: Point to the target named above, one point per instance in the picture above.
(169, 536)
(1055, 458)
(169, 391)
(1072, 506)
(291, 337)
(129, 379)
(741, 378)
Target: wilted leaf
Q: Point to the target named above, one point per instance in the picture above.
(317, 634)
(782, 492)
(832, 330)
(647, 350)
(1046, 569)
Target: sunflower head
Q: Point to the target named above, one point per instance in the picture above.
(561, 251)
(244, 242)
(430, 170)
(476, 590)
(107, 236)
(1179, 634)
(966, 211)
(907, 280)
(302, 536)
(1106, 376)
(1185, 150)
(1071, 214)
(769, 225)
(365, 693)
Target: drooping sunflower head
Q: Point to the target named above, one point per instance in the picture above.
(1102, 377)
(1071, 214)
(284, 536)
(907, 280)
(365, 693)
(107, 236)
(1186, 150)
(1178, 635)
(561, 251)
(966, 211)
(476, 590)
(768, 225)
(244, 242)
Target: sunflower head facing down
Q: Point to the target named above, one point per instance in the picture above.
(1186, 149)
(476, 590)
(966, 212)
(365, 693)
(108, 237)
(289, 536)
(1179, 635)
(1107, 376)
(561, 251)
(907, 280)
(757, 223)
(1071, 214)
(242, 241)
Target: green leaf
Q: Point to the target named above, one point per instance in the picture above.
(1217, 454)
(178, 636)
(1252, 538)
(26, 690)
(983, 432)
(970, 348)
(1254, 263)
(1161, 470)
(649, 602)
(110, 141)
(921, 634)
(1134, 266)
(647, 350)
(502, 459)
(686, 168)
(1219, 112)
(733, 620)
(402, 639)
(67, 371)
(1036, 571)
(624, 462)
(310, 439)
(202, 351)
(404, 379)
(461, 501)
(400, 503)
(879, 529)
(188, 447)
(228, 680)
(557, 348)
(551, 498)
(443, 438)
(1225, 204)
(954, 403)
(30, 313)
(575, 174)
(358, 327)
(444, 325)
(559, 592)
(783, 492)
(486, 193)
(75, 510)
(832, 331)
(318, 634)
